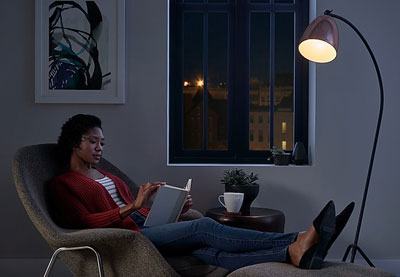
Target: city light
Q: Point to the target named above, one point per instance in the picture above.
(284, 127)
(284, 144)
(200, 83)
(186, 84)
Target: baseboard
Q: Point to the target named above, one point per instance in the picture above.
(389, 265)
(392, 266)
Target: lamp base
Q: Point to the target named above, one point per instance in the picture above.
(355, 249)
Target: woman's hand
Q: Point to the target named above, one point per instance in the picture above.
(188, 204)
(145, 192)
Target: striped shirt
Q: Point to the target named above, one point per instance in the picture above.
(112, 190)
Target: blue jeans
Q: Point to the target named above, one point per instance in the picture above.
(220, 245)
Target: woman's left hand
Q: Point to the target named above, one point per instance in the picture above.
(188, 204)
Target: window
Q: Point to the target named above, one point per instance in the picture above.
(284, 127)
(284, 147)
(234, 67)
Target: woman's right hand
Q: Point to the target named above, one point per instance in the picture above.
(144, 194)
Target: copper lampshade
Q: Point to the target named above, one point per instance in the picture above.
(320, 40)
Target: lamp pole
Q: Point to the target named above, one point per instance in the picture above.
(354, 247)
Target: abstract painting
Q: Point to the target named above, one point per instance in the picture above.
(80, 51)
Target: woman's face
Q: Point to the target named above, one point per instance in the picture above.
(91, 147)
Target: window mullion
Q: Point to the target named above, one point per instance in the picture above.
(241, 103)
(205, 77)
(232, 65)
(177, 91)
(301, 85)
(271, 78)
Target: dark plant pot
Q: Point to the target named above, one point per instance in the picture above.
(250, 193)
(282, 159)
(299, 155)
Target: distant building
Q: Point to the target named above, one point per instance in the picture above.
(258, 119)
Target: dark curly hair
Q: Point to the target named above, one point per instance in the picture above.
(72, 132)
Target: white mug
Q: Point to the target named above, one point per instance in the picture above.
(232, 201)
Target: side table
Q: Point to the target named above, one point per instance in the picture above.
(261, 219)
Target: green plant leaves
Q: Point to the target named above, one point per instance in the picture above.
(238, 177)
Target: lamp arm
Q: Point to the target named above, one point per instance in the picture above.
(378, 126)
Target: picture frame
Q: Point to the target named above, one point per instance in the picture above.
(80, 51)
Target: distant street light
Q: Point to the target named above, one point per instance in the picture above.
(200, 83)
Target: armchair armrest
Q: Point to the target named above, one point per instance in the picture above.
(96, 235)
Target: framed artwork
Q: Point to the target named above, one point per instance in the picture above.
(80, 51)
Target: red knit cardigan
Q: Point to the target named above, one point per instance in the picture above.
(85, 203)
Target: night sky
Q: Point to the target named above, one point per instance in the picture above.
(218, 46)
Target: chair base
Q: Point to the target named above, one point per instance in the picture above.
(62, 249)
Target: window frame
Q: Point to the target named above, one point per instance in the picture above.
(238, 42)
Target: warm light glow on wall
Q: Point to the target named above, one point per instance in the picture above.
(284, 127)
(284, 144)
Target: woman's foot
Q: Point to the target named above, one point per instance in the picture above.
(303, 242)
(340, 223)
(308, 250)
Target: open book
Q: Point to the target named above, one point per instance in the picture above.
(167, 205)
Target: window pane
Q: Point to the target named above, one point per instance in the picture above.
(284, 72)
(193, 1)
(284, 1)
(217, 80)
(193, 80)
(217, 1)
(259, 80)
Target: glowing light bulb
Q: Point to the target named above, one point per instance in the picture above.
(317, 50)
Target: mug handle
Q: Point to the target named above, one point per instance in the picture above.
(219, 199)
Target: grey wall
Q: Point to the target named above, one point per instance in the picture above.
(346, 104)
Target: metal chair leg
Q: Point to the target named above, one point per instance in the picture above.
(61, 249)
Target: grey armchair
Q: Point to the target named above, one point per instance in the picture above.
(120, 252)
(90, 252)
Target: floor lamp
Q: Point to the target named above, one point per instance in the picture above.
(319, 43)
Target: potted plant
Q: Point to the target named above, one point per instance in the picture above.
(280, 157)
(236, 180)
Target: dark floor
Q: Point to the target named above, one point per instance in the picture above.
(31, 267)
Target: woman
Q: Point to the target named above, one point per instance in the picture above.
(89, 197)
